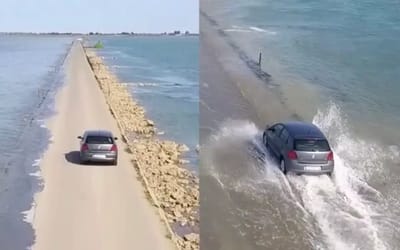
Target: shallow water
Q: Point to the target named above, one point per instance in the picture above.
(347, 51)
(330, 63)
(162, 74)
(30, 73)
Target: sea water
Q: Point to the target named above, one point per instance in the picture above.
(347, 50)
(30, 72)
(162, 74)
(344, 56)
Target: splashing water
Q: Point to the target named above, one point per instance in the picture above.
(342, 212)
(345, 206)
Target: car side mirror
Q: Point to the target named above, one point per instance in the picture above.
(80, 137)
(115, 138)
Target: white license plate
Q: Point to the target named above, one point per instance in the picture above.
(312, 168)
(99, 156)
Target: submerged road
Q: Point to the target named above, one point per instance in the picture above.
(90, 207)
(246, 202)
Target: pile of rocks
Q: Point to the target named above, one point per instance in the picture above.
(175, 188)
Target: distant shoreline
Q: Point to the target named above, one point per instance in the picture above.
(175, 33)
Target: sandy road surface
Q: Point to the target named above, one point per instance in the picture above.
(90, 207)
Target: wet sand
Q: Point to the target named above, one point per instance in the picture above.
(93, 206)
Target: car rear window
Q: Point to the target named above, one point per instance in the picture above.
(311, 145)
(99, 140)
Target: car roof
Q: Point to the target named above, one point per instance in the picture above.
(304, 130)
(98, 133)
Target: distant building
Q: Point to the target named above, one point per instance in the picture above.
(175, 33)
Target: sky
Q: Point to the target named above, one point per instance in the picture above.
(99, 15)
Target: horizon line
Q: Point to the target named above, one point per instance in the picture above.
(176, 33)
(98, 32)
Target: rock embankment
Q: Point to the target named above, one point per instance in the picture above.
(172, 188)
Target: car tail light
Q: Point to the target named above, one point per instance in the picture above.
(330, 156)
(114, 148)
(292, 155)
(84, 147)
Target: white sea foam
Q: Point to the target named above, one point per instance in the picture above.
(29, 215)
(141, 84)
(238, 30)
(257, 29)
(41, 123)
(235, 28)
(253, 28)
(121, 66)
(36, 162)
(36, 174)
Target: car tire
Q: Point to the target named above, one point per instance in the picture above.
(115, 162)
(265, 140)
(282, 166)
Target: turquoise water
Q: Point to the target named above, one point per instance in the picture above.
(162, 74)
(30, 72)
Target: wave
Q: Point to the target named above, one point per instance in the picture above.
(157, 84)
(237, 30)
(249, 29)
(262, 30)
(122, 67)
(141, 84)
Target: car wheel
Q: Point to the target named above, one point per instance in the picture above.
(265, 140)
(115, 162)
(282, 166)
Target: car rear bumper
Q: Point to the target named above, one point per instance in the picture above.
(313, 169)
(311, 172)
(98, 156)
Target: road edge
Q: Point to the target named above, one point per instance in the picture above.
(179, 242)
